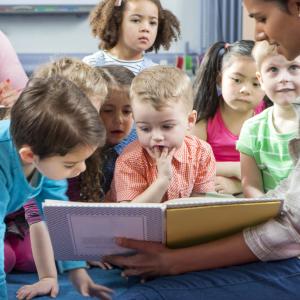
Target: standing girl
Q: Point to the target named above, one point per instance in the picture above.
(227, 93)
(129, 28)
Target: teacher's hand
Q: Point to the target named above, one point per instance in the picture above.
(151, 260)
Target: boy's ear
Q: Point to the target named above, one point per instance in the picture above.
(192, 117)
(26, 154)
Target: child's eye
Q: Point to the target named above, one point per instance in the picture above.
(127, 112)
(69, 166)
(294, 67)
(135, 20)
(144, 129)
(168, 127)
(256, 84)
(236, 80)
(153, 23)
(106, 110)
(273, 69)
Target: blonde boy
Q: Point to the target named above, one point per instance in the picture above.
(165, 163)
(263, 142)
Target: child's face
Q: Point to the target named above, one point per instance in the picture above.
(139, 26)
(240, 88)
(164, 128)
(116, 114)
(62, 167)
(280, 79)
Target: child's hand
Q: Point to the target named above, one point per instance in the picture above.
(43, 287)
(164, 162)
(100, 264)
(8, 95)
(86, 287)
(225, 185)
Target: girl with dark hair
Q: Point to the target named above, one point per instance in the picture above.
(129, 28)
(227, 93)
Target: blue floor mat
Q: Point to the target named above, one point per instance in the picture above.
(109, 278)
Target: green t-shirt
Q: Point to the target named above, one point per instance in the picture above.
(260, 140)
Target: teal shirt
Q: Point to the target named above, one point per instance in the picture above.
(260, 140)
(15, 189)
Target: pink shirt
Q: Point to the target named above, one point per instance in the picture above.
(193, 170)
(221, 140)
(10, 66)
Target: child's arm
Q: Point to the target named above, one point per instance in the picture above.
(156, 191)
(86, 286)
(199, 130)
(44, 260)
(251, 177)
(229, 169)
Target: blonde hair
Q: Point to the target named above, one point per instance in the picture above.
(261, 51)
(84, 76)
(162, 85)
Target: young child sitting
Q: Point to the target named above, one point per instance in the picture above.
(53, 130)
(116, 115)
(165, 163)
(263, 142)
(222, 111)
(127, 29)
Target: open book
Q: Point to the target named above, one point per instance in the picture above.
(86, 231)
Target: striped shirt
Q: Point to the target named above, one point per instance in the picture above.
(260, 140)
(103, 58)
(193, 170)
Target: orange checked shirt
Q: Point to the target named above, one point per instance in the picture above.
(193, 171)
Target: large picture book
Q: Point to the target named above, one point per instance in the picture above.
(87, 231)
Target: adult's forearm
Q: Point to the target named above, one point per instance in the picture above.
(221, 253)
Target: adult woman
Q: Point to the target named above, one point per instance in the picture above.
(279, 22)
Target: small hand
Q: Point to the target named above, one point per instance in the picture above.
(8, 95)
(43, 287)
(163, 158)
(100, 264)
(225, 185)
(150, 261)
(86, 286)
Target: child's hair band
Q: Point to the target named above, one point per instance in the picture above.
(226, 46)
(118, 3)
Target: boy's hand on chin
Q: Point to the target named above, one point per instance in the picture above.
(163, 158)
(44, 286)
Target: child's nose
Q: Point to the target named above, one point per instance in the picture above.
(157, 135)
(81, 167)
(245, 90)
(145, 27)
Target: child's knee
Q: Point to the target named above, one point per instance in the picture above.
(9, 257)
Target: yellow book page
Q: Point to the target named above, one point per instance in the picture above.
(194, 225)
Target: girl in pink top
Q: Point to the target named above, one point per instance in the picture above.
(12, 76)
(227, 93)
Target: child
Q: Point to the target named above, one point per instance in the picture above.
(129, 28)
(94, 86)
(53, 130)
(263, 143)
(116, 115)
(221, 114)
(165, 163)
(84, 76)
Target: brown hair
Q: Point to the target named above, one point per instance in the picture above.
(53, 116)
(92, 180)
(106, 19)
(162, 85)
(83, 75)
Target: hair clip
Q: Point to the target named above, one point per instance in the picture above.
(226, 46)
(118, 3)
